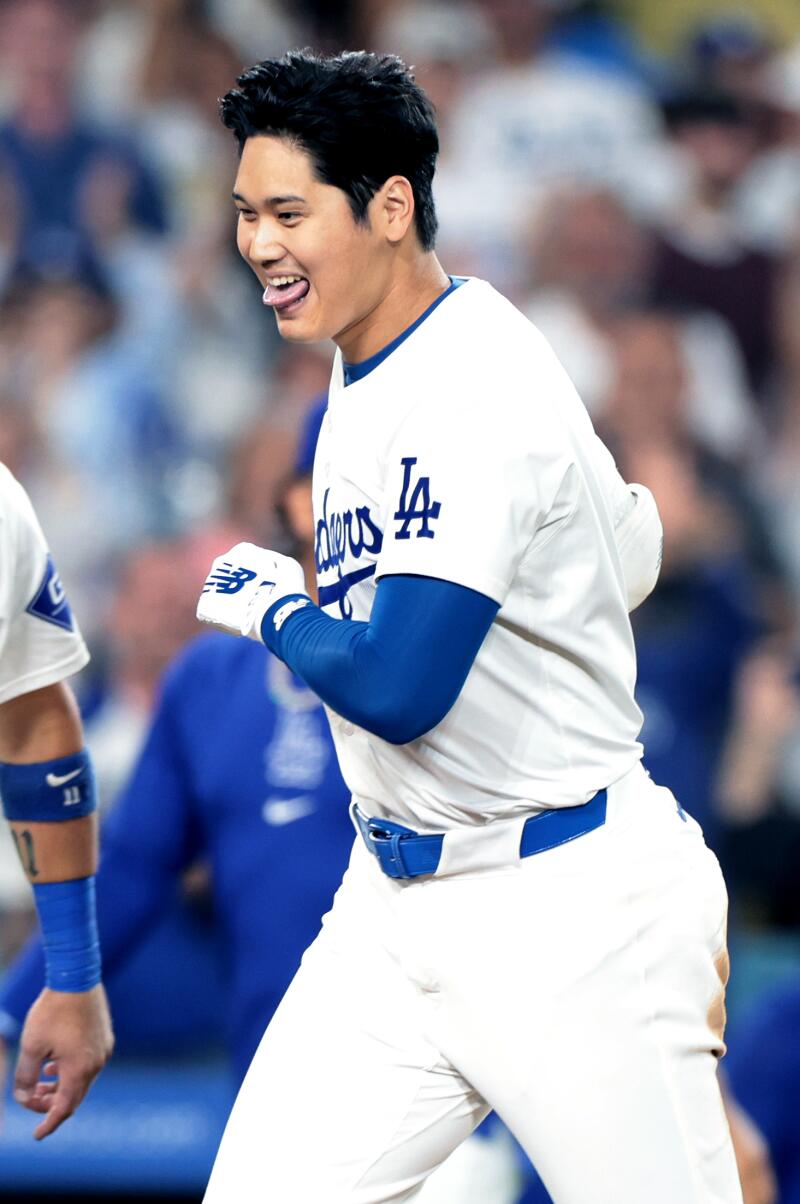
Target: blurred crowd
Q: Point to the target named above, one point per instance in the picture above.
(639, 201)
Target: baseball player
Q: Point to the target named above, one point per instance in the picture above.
(528, 922)
(48, 794)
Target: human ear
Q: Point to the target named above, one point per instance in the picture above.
(396, 207)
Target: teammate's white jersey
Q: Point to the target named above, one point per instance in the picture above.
(39, 640)
(467, 455)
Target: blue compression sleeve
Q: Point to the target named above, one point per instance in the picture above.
(68, 918)
(399, 674)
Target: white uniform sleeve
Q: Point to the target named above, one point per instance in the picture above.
(466, 489)
(639, 537)
(39, 639)
(637, 528)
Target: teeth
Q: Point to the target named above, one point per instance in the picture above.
(277, 281)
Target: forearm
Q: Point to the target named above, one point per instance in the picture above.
(49, 799)
(131, 896)
(41, 732)
(398, 675)
(56, 851)
(353, 674)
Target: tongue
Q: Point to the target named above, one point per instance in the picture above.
(287, 295)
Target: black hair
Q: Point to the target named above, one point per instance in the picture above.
(361, 118)
(700, 105)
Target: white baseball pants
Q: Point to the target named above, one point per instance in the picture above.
(579, 992)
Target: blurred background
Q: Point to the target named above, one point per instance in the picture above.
(628, 172)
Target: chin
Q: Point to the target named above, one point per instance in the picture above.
(302, 329)
(296, 330)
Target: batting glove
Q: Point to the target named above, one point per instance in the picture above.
(244, 584)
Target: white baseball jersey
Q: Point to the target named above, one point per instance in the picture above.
(39, 640)
(467, 455)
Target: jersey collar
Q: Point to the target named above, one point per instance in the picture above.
(354, 372)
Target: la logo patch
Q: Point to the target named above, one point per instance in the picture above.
(415, 504)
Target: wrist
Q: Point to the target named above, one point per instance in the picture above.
(68, 919)
(277, 615)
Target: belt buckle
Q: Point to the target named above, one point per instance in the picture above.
(386, 840)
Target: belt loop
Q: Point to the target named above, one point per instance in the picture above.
(395, 854)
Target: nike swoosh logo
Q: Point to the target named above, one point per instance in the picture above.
(54, 779)
(279, 811)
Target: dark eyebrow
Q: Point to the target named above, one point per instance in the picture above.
(271, 200)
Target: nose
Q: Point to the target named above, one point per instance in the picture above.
(265, 247)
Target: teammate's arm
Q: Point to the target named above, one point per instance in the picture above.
(45, 780)
(149, 837)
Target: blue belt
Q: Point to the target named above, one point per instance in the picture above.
(404, 853)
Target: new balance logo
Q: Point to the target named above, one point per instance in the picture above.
(415, 504)
(228, 579)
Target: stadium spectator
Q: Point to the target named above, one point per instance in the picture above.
(590, 263)
(722, 585)
(693, 633)
(106, 438)
(186, 65)
(703, 258)
(777, 472)
(768, 200)
(532, 119)
(729, 49)
(59, 167)
(758, 794)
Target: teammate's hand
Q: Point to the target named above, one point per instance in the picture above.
(243, 584)
(67, 1036)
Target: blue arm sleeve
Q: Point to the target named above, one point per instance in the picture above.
(147, 840)
(399, 674)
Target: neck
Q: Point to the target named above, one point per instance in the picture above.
(412, 290)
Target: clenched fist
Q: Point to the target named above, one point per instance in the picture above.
(242, 586)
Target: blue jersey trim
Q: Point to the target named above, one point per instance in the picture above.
(354, 372)
(50, 602)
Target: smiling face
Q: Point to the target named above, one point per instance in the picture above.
(323, 273)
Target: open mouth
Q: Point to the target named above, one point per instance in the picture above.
(285, 292)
